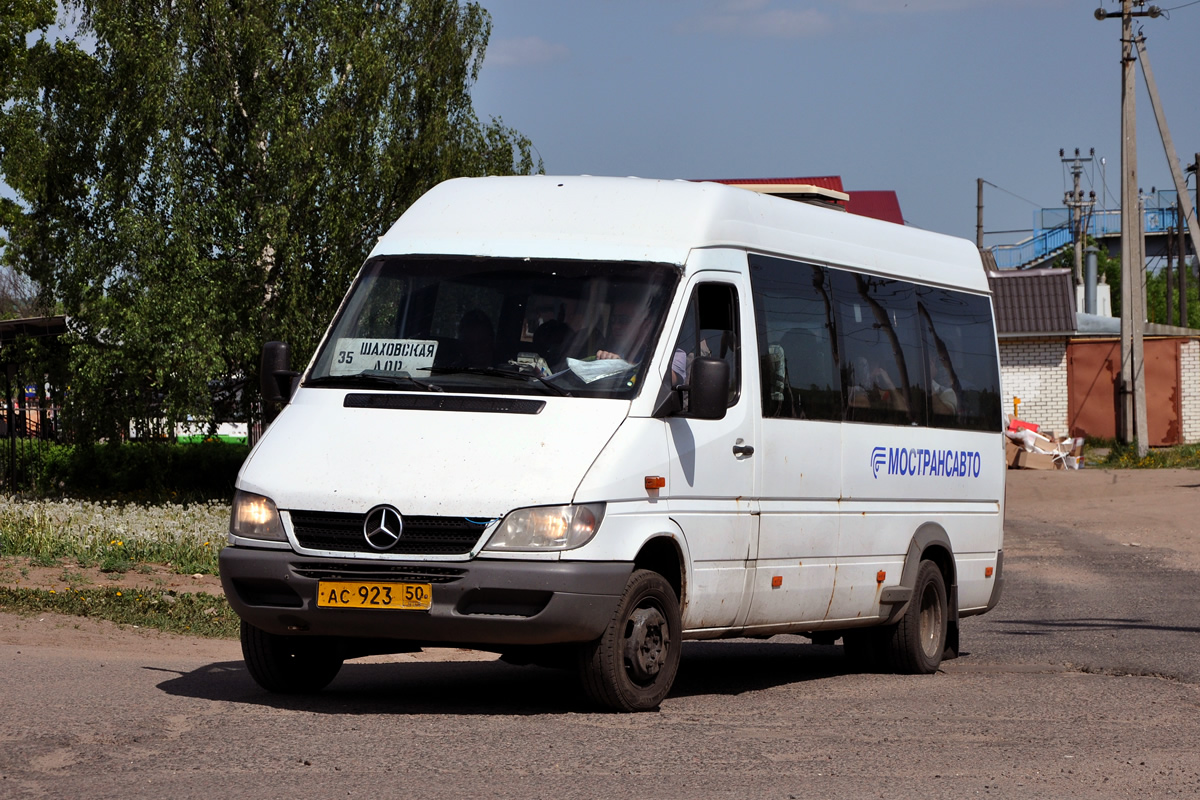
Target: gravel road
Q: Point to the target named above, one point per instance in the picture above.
(1084, 682)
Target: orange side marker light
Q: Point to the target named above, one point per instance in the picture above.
(987, 572)
(656, 482)
(880, 576)
(776, 581)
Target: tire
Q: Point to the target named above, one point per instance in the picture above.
(916, 643)
(632, 665)
(290, 664)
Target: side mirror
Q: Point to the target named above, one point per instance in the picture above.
(708, 394)
(275, 377)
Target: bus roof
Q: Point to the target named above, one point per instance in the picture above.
(635, 219)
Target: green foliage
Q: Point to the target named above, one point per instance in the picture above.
(1109, 267)
(197, 176)
(193, 614)
(1125, 456)
(1156, 297)
(1108, 270)
(139, 472)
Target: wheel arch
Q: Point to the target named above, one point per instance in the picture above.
(930, 542)
(664, 554)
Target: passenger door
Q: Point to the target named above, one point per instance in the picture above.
(712, 461)
(800, 460)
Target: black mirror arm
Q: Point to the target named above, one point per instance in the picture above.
(671, 404)
(286, 380)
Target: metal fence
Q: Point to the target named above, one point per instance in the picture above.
(28, 430)
(1049, 240)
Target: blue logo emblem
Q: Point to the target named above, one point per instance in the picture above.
(878, 460)
(920, 461)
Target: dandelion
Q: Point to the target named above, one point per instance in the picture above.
(118, 594)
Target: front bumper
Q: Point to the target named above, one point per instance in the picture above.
(479, 602)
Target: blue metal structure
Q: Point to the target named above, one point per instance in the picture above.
(1052, 233)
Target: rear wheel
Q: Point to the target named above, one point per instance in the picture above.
(290, 664)
(916, 643)
(632, 665)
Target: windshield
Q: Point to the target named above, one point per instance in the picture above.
(504, 326)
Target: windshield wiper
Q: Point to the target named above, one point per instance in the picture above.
(512, 372)
(370, 379)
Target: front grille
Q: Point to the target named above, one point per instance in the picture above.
(422, 536)
(375, 571)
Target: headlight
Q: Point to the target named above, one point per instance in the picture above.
(255, 517)
(547, 528)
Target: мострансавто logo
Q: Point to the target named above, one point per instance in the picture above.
(923, 461)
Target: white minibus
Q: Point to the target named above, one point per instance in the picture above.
(580, 420)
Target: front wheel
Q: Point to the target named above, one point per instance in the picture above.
(632, 665)
(917, 642)
(290, 664)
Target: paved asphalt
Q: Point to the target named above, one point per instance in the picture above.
(1084, 682)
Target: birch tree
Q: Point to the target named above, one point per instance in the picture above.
(196, 176)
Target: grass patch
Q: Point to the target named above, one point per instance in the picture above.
(68, 576)
(191, 614)
(116, 563)
(118, 539)
(1124, 456)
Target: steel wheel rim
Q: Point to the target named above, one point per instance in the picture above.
(931, 621)
(647, 642)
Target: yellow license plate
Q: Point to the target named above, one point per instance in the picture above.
(353, 594)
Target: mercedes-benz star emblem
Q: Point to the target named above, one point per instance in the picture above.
(382, 527)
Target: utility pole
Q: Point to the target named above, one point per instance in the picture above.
(1133, 262)
(1185, 202)
(1195, 170)
(1169, 284)
(1183, 275)
(979, 213)
(1075, 207)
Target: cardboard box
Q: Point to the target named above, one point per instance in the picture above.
(1037, 461)
(1011, 452)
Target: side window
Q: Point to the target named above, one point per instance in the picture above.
(797, 344)
(882, 373)
(710, 328)
(960, 348)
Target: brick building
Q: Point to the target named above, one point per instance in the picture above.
(1064, 366)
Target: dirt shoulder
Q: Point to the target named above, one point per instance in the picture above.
(1157, 508)
(17, 572)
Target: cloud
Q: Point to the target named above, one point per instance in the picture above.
(527, 51)
(756, 19)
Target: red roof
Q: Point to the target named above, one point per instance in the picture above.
(882, 205)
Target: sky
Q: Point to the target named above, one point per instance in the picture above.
(921, 97)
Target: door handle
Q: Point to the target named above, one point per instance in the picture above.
(742, 450)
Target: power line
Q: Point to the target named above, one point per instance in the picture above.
(1014, 194)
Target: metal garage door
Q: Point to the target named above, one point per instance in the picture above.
(1093, 368)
